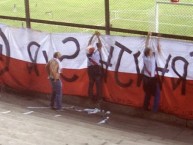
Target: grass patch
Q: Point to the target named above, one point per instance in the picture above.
(128, 14)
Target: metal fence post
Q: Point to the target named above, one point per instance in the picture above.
(107, 17)
(27, 14)
(156, 17)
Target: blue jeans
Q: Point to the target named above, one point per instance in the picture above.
(151, 88)
(56, 97)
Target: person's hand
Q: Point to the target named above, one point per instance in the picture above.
(158, 35)
(149, 33)
(97, 33)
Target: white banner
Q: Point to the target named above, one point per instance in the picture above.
(28, 45)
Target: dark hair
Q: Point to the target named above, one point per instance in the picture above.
(55, 54)
(146, 51)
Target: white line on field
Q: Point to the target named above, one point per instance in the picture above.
(57, 115)
(5, 1)
(177, 25)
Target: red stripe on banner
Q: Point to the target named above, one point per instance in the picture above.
(25, 76)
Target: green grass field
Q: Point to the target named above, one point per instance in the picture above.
(128, 14)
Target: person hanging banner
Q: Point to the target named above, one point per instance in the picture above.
(24, 54)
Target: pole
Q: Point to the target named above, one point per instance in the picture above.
(156, 17)
(107, 17)
(27, 14)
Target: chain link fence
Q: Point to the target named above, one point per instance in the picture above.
(175, 18)
(161, 16)
(73, 11)
(13, 8)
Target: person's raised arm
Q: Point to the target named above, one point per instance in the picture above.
(99, 44)
(148, 39)
(91, 38)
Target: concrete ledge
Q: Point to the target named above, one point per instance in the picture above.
(116, 108)
(189, 123)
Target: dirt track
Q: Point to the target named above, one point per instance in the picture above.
(22, 125)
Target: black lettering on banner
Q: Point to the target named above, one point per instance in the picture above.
(108, 63)
(33, 66)
(74, 77)
(191, 54)
(45, 56)
(163, 71)
(182, 79)
(8, 52)
(123, 49)
(139, 73)
(1, 52)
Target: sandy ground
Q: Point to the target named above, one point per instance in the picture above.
(26, 120)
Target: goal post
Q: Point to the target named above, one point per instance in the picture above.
(169, 2)
(156, 17)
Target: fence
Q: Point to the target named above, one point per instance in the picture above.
(171, 20)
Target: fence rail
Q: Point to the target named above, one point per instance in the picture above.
(107, 26)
